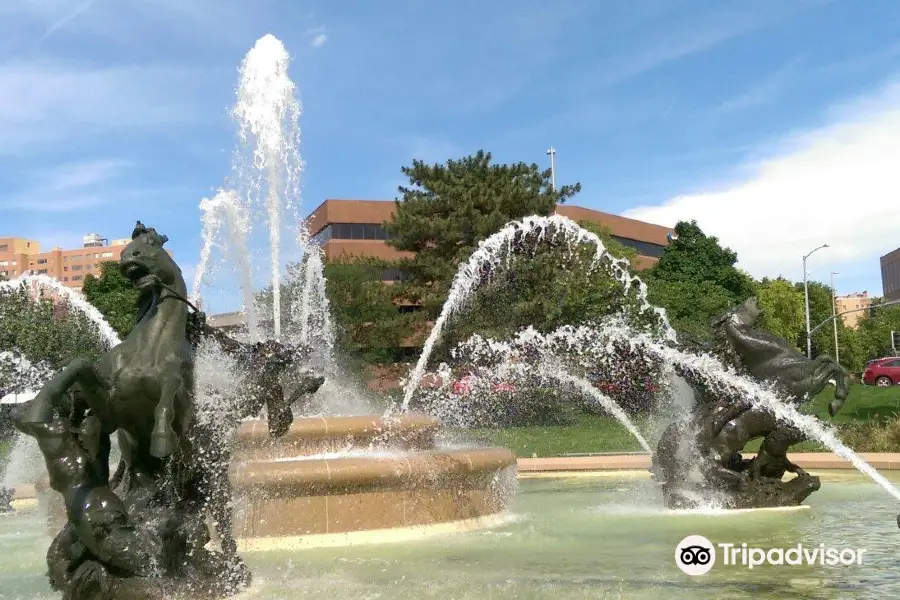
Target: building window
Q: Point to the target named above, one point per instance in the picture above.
(89, 267)
(65, 268)
(4, 263)
(351, 231)
(65, 278)
(76, 267)
(42, 261)
(13, 263)
(392, 275)
(643, 248)
(4, 247)
(107, 254)
(76, 278)
(42, 271)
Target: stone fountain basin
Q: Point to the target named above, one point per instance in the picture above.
(336, 475)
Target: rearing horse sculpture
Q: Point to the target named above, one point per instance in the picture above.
(142, 388)
(722, 422)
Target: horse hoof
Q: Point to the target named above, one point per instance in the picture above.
(163, 444)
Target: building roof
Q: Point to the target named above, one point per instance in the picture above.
(378, 211)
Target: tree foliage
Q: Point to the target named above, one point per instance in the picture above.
(45, 330)
(448, 208)
(546, 285)
(696, 279)
(114, 296)
(782, 308)
(368, 313)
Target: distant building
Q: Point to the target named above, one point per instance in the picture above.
(19, 256)
(890, 275)
(354, 228)
(856, 302)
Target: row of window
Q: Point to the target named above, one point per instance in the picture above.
(890, 277)
(643, 248)
(351, 231)
(370, 231)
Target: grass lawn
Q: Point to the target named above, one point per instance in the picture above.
(594, 434)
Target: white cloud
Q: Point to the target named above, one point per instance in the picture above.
(838, 184)
(318, 35)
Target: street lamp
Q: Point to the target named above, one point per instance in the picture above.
(551, 152)
(837, 352)
(806, 299)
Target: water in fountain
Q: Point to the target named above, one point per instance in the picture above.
(494, 250)
(224, 212)
(484, 382)
(584, 386)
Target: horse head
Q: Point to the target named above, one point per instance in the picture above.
(147, 265)
(746, 314)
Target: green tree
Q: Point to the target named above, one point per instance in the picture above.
(368, 312)
(370, 317)
(782, 308)
(114, 296)
(821, 297)
(545, 286)
(873, 335)
(45, 330)
(696, 279)
(447, 209)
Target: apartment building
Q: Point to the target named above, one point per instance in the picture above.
(856, 302)
(354, 228)
(890, 275)
(19, 255)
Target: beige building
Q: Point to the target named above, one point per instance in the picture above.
(19, 256)
(856, 302)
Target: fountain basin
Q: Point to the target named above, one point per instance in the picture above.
(319, 435)
(352, 474)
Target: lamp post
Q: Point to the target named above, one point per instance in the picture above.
(551, 152)
(806, 298)
(837, 352)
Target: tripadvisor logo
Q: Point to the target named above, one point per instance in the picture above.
(696, 555)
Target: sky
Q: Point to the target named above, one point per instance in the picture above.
(776, 125)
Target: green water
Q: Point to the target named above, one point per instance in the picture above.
(572, 538)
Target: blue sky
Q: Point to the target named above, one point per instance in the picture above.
(775, 124)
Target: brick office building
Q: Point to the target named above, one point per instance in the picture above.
(354, 227)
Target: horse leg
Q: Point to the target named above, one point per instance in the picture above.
(824, 370)
(163, 440)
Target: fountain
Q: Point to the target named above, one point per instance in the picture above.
(201, 481)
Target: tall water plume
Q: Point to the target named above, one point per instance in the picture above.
(268, 164)
(492, 252)
(263, 191)
(224, 214)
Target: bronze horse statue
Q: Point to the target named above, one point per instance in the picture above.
(142, 533)
(722, 422)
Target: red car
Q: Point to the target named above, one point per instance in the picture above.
(882, 372)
